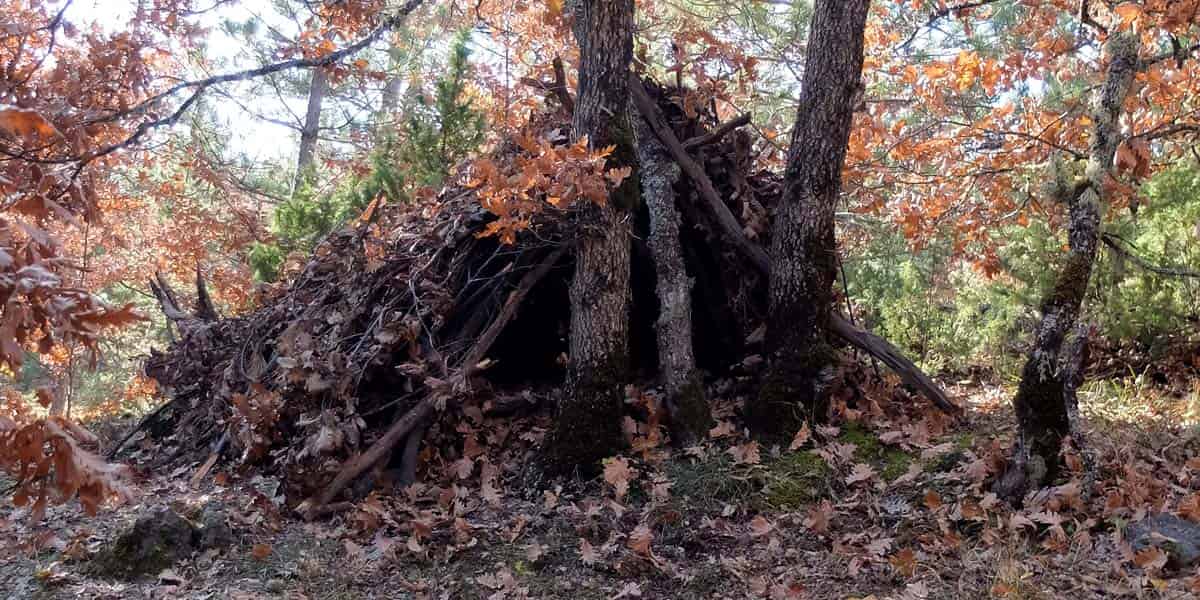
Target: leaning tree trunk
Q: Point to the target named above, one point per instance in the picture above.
(312, 127)
(587, 427)
(1041, 401)
(686, 407)
(803, 250)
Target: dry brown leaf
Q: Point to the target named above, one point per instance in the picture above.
(640, 539)
(618, 474)
(260, 551)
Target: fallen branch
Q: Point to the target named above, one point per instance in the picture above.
(859, 338)
(889, 355)
(140, 426)
(312, 507)
(715, 135)
(473, 359)
(416, 416)
(166, 299)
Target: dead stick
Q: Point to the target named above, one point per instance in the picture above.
(859, 338)
(715, 135)
(889, 355)
(509, 310)
(141, 424)
(658, 124)
(313, 507)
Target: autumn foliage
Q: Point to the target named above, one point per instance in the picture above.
(545, 174)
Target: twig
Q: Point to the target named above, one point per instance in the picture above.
(417, 415)
(715, 135)
(201, 85)
(941, 14)
(1110, 240)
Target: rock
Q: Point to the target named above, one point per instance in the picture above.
(215, 531)
(1179, 538)
(155, 541)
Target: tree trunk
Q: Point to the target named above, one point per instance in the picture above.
(1041, 406)
(686, 407)
(312, 127)
(587, 427)
(803, 250)
(390, 100)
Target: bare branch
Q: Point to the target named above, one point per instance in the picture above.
(1113, 241)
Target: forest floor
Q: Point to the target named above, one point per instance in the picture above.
(892, 502)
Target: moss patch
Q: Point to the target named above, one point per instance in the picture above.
(795, 479)
(888, 461)
(692, 419)
(155, 541)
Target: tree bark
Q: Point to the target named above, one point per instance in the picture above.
(803, 249)
(312, 127)
(1041, 401)
(390, 100)
(587, 426)
(686, 408)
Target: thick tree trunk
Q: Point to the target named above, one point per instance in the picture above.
(1041, 401)
(312, 127)
(803, 250)
(686, 407)
(587, 426)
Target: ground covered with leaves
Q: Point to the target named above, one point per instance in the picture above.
(891, 500)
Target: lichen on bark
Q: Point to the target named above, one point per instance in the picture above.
(1041, 402)
(687, 410)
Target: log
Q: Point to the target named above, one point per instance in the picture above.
(868, 342)
(416, 416)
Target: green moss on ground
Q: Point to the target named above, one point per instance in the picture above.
(888, 461)
(795, 479)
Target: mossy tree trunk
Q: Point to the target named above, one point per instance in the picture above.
(1041, 400)
(803, 250)
(686, 408)
(587, 426)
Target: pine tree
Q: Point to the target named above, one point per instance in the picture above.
(439, 134)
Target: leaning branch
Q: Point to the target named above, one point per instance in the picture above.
(1112, 241)
(859, 338)
(415, 417)
(658, 124)
(715, 135)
